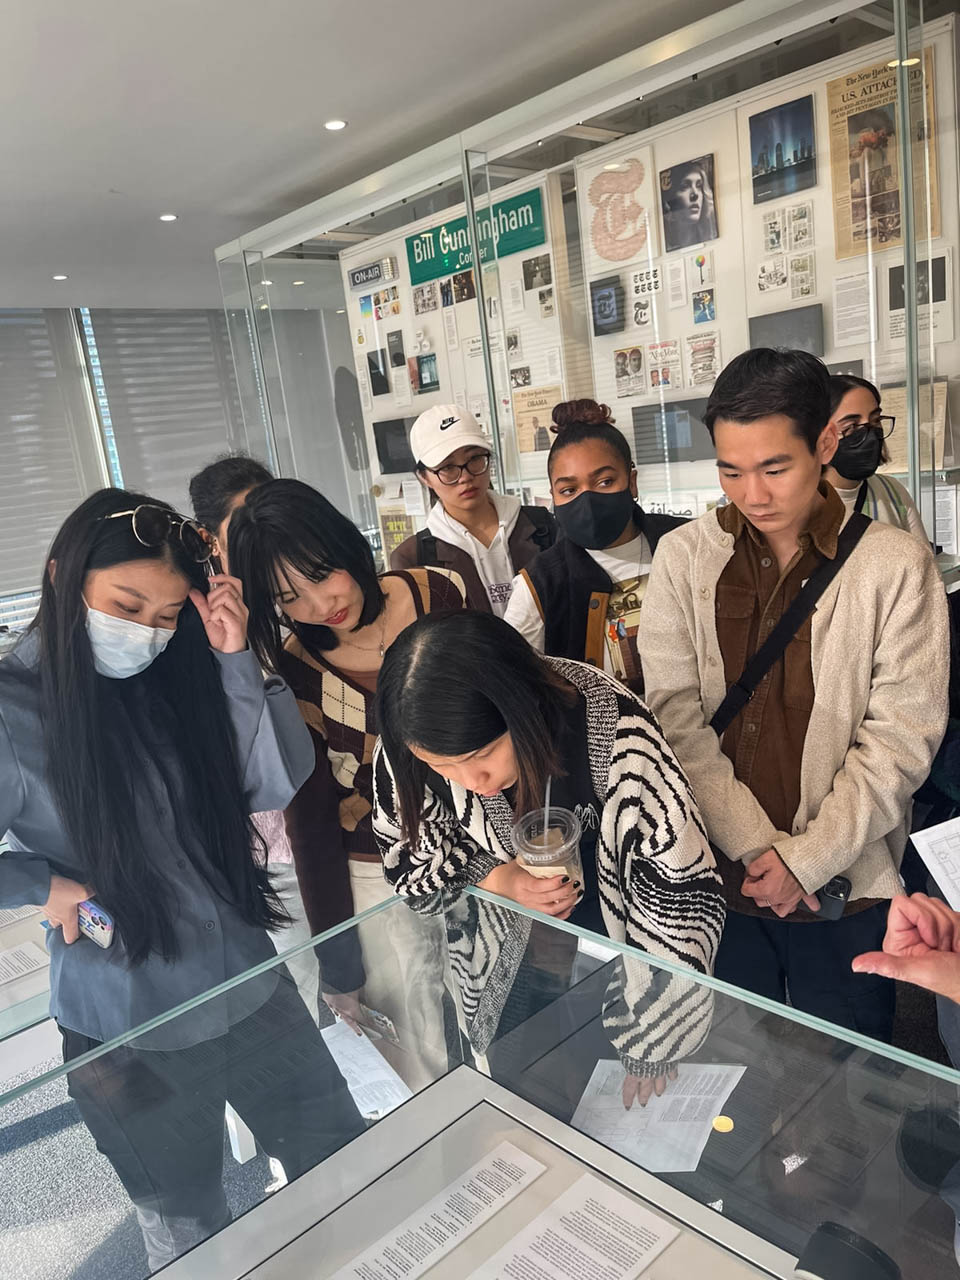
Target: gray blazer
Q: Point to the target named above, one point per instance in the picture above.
(95, 991)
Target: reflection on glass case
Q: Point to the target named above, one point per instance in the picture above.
(496, 1092)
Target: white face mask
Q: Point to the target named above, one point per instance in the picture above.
(123, 648)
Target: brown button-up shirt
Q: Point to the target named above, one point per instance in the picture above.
(765, 741)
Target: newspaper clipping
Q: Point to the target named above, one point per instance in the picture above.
(533, 411)
(864, 155)
(703, 359)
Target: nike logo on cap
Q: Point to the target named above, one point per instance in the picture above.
(448, 422)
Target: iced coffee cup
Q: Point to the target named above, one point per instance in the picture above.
(554, 851)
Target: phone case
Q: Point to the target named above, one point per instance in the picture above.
(95, 923)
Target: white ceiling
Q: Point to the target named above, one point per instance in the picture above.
(119, 110)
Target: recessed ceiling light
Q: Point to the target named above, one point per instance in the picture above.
(911, 62)
(264, 306)
(59, 277)
(894, 63)
(268, 282)
(341, 311)
(334, 125)
(168, 217)
(298, 282)
(612, 168)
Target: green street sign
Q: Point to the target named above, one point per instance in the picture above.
(511, 226)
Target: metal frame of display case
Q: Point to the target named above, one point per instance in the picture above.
(277, 1237)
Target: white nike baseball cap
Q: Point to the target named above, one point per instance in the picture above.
(442, 430)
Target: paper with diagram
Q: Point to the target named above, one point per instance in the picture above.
(669, 1134)
(939, 847)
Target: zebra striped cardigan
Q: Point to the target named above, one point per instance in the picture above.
(659, 888)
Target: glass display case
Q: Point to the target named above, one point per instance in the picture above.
(509, 1112)
(767, 176)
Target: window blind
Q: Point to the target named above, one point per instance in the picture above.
(48, 449)
(168, 379)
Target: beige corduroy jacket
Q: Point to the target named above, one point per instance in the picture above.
(880, 657)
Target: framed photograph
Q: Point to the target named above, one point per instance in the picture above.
(464, 288)
(783, 150)
(425, 298)
(537, 272)
(687, 204)
(429, 378)
(520, 376)
(607, 298)
(799, 329)
(547, 306)
(446, 292)
(514, 345)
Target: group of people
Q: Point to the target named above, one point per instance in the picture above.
(232, 727)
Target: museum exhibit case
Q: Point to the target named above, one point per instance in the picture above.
(490, 1059)
(772, 175)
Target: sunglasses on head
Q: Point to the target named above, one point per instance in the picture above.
(153, 526)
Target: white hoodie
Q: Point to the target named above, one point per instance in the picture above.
(493, 563)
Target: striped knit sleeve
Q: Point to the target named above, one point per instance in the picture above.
(445, 857)
(672, 900)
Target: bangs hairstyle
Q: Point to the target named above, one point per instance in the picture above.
(100, 734)
(576, 421)
(284, 525)
(765, 382)
(452, 683)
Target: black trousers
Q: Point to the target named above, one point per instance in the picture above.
(811, 964)
(158, 1115)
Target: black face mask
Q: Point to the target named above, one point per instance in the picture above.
(594, 520)
(859, 455)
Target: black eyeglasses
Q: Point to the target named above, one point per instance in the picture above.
(451, 472)
(883, 424)
(153, 526)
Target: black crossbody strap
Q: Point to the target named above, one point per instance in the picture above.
(426, 548)
(739, 694)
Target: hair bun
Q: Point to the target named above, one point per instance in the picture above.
(571, 413)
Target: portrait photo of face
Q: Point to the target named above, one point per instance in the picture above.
(636, 360)
(687, 204)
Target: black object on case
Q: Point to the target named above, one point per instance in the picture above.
(834, 1252)
(833, 897)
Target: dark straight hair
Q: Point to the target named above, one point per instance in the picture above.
(764, 382)
(285, 525)
(576, 421)
(452, 683)
(841, 383)
(214, 489)
(99, 733)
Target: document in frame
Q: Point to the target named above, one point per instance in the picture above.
(431, 1232)
(669, 1134)
(591, 1230)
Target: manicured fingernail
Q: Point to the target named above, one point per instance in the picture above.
(576, 884)
(565, 880)
(579, 895)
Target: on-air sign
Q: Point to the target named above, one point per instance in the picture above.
(511, 226)
(373, 273)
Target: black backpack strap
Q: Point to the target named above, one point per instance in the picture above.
(544, 526)
(739, 694)
(426, 548)
(861, 498)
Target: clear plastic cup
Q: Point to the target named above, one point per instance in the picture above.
(556, 855)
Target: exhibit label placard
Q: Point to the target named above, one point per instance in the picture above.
(511, 226)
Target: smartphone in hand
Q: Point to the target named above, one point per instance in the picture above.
(95, 923)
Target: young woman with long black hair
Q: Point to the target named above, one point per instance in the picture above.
(473, 723)
(307, 567)
(136, 735)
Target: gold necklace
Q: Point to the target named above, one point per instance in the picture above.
(365, 648)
